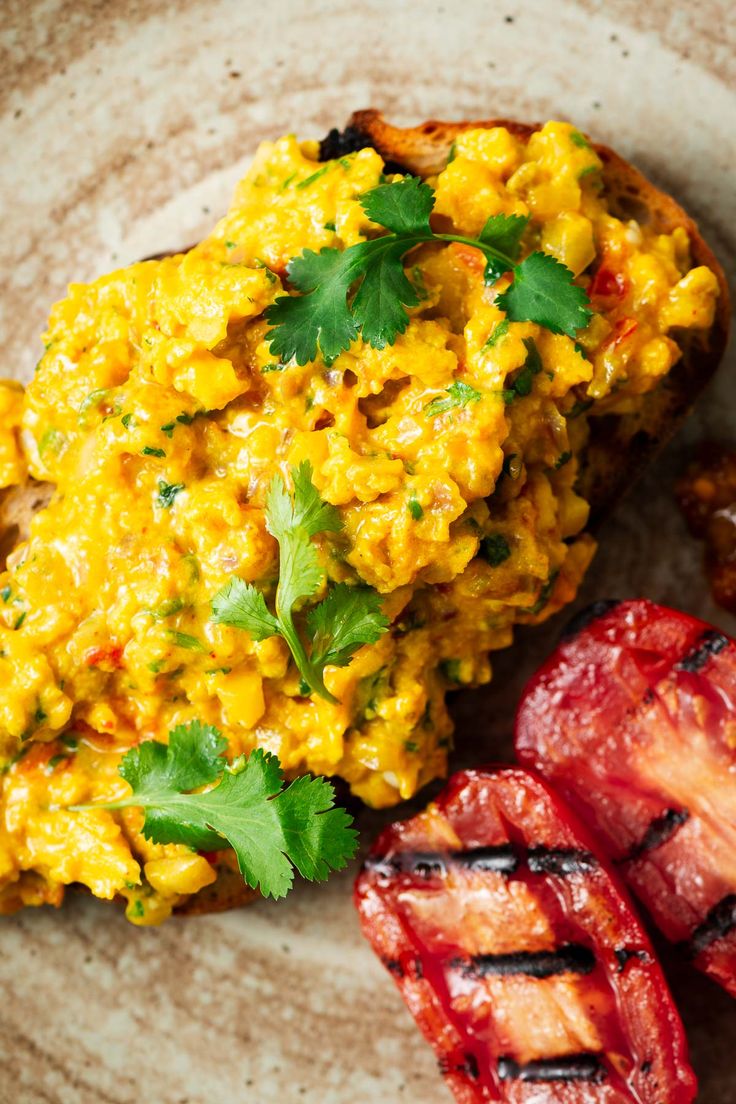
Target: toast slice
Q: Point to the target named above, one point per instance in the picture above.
(423, 151)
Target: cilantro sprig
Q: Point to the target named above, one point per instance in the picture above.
(347, 618)
(364, 289)
(458, 394)
(271, 829)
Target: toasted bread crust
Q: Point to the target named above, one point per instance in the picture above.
(17, 507)
(228, 892)
(424, 150)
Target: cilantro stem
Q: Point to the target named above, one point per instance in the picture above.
(122, 803)
(416, 239)
(490, 251)
(304, 664)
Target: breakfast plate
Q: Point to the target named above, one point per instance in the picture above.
(131, 128)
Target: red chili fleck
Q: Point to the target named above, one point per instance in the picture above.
(111, 654)
(623, 329)
(608, 284)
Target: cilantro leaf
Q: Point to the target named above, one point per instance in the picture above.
(543, 292)
(522, 384)
(348, 617)
(242, 606)
(321, 315)
(307, 509)
(504, 232)
(319, 836)
(459, 394)
(271, 829)
(403, 207)
(192, 758)
(325, 318)
(378, 306)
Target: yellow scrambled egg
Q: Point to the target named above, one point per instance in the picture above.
(159, 414)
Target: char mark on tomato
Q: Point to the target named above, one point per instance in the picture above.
(571, 959)
(501, 859)
(661, 829)
(710, 644)
(560, 860)
(625, 955)
(468, 1066)
(570, 1067)
(720, 922)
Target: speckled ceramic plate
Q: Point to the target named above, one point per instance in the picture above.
(125, 124)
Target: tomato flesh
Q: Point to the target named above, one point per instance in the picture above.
(516, 952)
(633, 720)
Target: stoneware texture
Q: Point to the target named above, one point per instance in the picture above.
(124, 126)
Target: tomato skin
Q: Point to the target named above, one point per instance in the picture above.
(518, 953)
(633, 720)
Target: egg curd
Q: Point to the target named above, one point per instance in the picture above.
(160, 416)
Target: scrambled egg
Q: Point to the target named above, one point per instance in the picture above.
(159, 414)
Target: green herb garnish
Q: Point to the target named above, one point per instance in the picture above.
(450, 668)
(315, 176)
(545, 593)
(185, 640)
(347, 618)
(54, 441)
(579, 408)
(522, 384)
(580, 140)
(149, 450)
(364, 289)
(459, 394)
(415, 509)
(495, 549)
(168, 608)
(167, 492)
(271, 829)
(499, 331)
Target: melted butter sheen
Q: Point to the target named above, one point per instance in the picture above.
(159, 414)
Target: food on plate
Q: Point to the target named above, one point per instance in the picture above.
(707, 497)
(310, 473)
(632, 720)
(518, 953)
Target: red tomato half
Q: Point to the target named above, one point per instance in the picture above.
(633, 720)
(517, 953)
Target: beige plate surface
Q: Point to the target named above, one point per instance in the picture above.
(124, 125)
